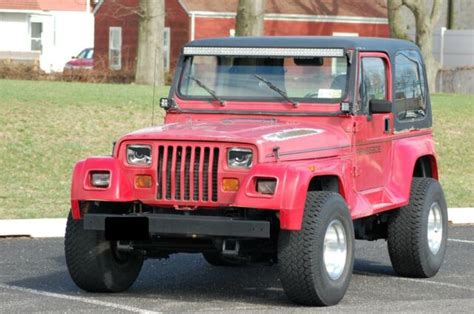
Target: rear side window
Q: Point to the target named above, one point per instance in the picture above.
(409, 88)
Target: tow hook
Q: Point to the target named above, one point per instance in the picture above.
(124, 247)
(230, 247)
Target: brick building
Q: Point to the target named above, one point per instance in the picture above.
(116, 24)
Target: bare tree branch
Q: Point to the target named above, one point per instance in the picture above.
(436, 11)
(413, 5)
(120, 10)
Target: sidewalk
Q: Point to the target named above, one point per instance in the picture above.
(55, 227)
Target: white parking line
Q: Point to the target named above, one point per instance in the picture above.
(424, 281)
(445, 284)
(461, 241)
(79, 299)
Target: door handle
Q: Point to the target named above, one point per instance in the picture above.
(386, 125)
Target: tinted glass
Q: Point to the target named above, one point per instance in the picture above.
(321, 79)
(409, 87)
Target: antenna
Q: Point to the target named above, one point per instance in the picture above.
(154, 90)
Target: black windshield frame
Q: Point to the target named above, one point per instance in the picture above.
(271, 98)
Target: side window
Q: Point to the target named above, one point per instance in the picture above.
(409, 87)
(372, 81)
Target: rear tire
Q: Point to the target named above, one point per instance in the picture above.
(418, 232)
(315, 263)
(94, 263)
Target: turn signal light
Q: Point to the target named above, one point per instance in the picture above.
(230, 184)
(143, 181)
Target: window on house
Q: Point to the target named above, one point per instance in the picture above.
(115, 48)
(373, 81)
(36, 31)
(166, 48)
(409, 93)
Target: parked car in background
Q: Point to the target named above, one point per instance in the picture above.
(83, 61)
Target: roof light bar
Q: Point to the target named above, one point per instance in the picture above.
(271, 52)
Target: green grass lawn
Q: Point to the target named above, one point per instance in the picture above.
(45, 127)
(453, 124)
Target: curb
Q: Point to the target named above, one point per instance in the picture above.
(35, 228)
(55, 227)
(461, 215)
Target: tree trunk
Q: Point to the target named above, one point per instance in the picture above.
(249, 20)
(149, 68)
(395, 20)
(425, 22)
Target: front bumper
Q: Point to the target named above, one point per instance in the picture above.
(139, 226)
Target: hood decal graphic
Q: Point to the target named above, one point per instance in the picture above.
(293, 133)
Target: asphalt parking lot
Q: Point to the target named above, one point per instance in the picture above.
(34, 278)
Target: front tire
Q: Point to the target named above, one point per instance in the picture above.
(94, 264)
(315, 263)
(418, 232)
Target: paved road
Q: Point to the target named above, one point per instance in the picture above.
(33, 278)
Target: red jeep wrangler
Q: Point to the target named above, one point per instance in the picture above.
(282, 149)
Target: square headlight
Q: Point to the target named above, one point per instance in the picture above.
(139, 155)
(239, 157)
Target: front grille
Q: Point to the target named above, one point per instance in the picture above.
(187, 173)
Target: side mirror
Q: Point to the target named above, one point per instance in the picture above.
(380, 106)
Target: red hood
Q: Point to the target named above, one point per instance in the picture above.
(296, 140)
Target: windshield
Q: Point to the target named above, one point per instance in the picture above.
(318, 79)
(86, 54)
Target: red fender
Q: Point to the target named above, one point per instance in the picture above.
(406, 152)
(291, 188)
(120, 188)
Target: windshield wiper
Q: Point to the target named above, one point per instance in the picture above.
(207, 89)
(276, 89)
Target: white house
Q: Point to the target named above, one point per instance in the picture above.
(53, 30)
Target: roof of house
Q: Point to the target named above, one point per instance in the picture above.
(388, 45)
(43, 5)
(359, 8)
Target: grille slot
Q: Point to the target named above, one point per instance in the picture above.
(187, 173)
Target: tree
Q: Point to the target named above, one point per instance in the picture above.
(249, 20)
(425, 21)
(149, 68)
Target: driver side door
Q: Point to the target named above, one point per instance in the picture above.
(373, 130)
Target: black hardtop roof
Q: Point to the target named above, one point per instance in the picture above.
(361, 43)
